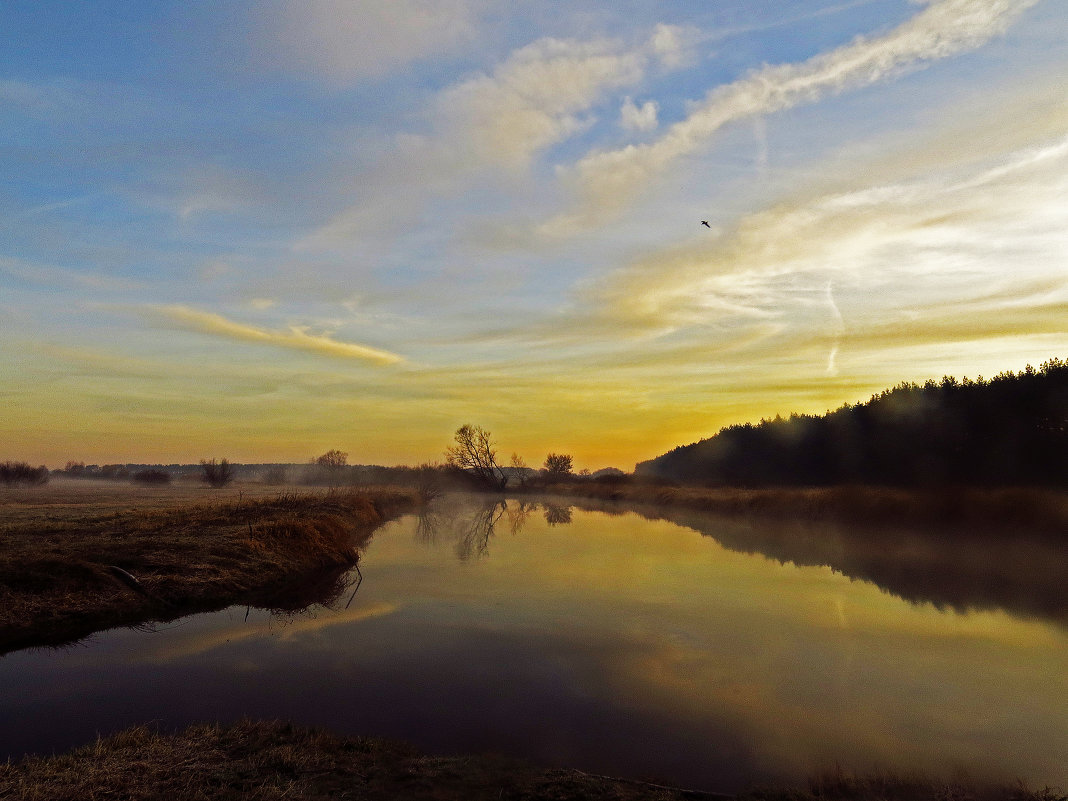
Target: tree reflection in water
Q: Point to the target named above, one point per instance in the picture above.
(557, 515)
(474, 526)
(1018, 571)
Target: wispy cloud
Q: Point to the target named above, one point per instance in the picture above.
(540, 94)
(345, 42)
(295, 337)
(930, 228)
(608, 179)
(543, 94)
(62, 277)
(533, 99)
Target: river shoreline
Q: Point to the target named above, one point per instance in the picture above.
(68, 573)
(1036, 510)
(78, 566)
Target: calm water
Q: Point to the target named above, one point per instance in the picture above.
(616, 644)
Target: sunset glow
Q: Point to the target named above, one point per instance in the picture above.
(260, 230)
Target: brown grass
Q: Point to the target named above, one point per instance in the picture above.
(273, 760)
(210, 552)
(266, 761)
(840, 785)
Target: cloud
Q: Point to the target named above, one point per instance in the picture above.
(673, 45)
(296, 337)
(607, 179)
(535, 98)
(633, 118)
(43, 99)
(541, 95)
(49, 275)
(348, 42)
(954, 217)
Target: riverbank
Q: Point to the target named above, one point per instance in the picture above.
(77, 566)
(273, 760)
(1037, 511)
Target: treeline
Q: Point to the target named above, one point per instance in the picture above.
(1011, 430)
(221, 472)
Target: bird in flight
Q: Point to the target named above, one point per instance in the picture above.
(705, 224)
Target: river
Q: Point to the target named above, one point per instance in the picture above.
(695, 651)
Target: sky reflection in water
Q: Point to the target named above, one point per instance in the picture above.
(614, 644)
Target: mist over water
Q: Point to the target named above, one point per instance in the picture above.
(706, 652)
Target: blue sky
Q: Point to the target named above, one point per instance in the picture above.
(261, 230)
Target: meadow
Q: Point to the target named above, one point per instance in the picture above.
(183, 549)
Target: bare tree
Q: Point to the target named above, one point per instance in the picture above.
(474, 453)
(428, 482)
(520, 470)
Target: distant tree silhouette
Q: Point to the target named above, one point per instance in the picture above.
(12, 473)
(333, 459)
(1009, 430)
(151, 477)
(275, 474)
(558, 465)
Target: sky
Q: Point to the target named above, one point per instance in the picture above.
(262, 230)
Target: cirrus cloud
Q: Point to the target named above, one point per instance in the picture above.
(295, 337)
(349, 42)
(607, 179)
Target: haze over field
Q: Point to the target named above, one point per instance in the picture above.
(266, 229)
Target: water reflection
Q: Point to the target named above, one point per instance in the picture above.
(472, 523)
(557, 515)
(615, 644)
(1019, 572)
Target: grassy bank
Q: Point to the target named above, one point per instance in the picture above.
(1038, 511)
(255, 760)
(57, 576)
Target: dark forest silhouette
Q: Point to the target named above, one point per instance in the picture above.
(1008, 430)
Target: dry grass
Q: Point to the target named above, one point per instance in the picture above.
(267, 761)
(272, 760)
(211, 551)
(839, 785)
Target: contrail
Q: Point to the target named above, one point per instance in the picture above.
(838, 330)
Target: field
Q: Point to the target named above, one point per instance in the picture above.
(78, 557)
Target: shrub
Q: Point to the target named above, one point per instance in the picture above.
(12, 473)
(217, 473)
(274, 475)
(151, 477)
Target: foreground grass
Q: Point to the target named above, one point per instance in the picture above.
(271, 760)
(281, 552)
